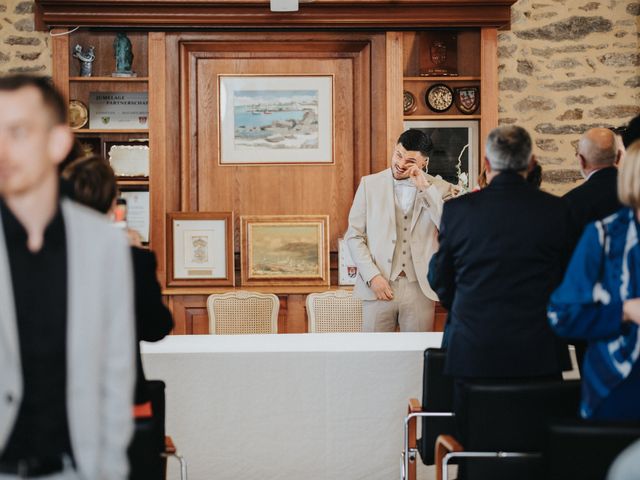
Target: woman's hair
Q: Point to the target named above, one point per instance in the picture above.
(629, 177)
(93, 182)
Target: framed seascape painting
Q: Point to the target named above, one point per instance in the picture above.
(200, 248)
(284, 249)
(455, 155)
(275, 119)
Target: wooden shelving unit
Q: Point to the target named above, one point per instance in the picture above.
(109, 79)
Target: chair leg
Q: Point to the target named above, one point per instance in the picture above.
(183, 463)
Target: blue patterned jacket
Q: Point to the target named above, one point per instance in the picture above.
(604, 272)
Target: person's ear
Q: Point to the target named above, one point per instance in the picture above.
(533, 161)
(425, 167)
(60, 143)
(487, 165)
(583, 161)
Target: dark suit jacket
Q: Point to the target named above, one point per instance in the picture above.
(594, 199)
(502, 252)
(153, 318)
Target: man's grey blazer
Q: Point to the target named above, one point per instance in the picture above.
(100, 344)
(372, 232)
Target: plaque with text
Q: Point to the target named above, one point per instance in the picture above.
(113, 110)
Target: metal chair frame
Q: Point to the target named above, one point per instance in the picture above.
(497, 455)
(409, 455)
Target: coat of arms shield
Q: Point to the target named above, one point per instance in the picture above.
(467, 99)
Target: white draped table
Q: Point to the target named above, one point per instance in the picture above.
(309, 406)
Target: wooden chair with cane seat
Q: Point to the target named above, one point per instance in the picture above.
(242, 312)
(334, 311)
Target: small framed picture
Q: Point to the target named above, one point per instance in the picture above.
(128, 159)
(285, 249)
(90, 145)
(137, 212)
(347, 270)
(200, 249)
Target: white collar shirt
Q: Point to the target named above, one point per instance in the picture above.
(405, 193)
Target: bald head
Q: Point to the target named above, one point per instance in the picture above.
(597, 149)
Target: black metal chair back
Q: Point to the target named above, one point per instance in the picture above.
(437, 396)
(586, 450)
(147, 444)
(513, 417)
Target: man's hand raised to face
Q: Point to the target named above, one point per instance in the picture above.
(417, 177)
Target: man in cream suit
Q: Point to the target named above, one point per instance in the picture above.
(66, 307)
(393, 228)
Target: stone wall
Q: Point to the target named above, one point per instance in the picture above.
(565, 66)
(22, 50)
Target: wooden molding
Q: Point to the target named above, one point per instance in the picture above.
(325, 14)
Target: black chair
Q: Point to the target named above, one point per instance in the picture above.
(435, 411)
(505, 428)
(586, 449)
(150, 447)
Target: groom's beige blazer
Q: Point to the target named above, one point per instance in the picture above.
(100, 344)
(371, 235)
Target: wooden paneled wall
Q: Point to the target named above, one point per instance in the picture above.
(192, 178)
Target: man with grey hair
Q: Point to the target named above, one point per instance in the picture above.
(599, 154)
(502, 252)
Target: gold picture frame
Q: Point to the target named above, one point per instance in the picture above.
(284, 250)
(200, 249)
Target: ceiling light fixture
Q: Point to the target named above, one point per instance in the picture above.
(284, 5)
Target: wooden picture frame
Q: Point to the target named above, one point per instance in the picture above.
(200, 249)
(284, 250)
(276, 119)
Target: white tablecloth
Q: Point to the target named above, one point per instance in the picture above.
(316, 407)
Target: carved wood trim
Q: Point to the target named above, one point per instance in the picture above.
(325, 14)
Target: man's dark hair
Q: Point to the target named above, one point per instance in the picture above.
(93, 182)
(632, 132)
(416, 141)
(51, 98)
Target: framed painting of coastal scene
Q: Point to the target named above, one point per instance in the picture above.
(284, 249)
(275, 119)
(200, 249)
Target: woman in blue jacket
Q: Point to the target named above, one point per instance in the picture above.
(599, 301)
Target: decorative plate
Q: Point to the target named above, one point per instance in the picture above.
(78, 114)
(409, 103)
(467, 99)
(439, 97)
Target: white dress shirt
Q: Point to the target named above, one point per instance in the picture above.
(405, 193)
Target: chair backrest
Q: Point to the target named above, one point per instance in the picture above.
(147, 444)
(513, 417)
(437, 396)
(240, 312)
(334, 311)
(586, 450)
